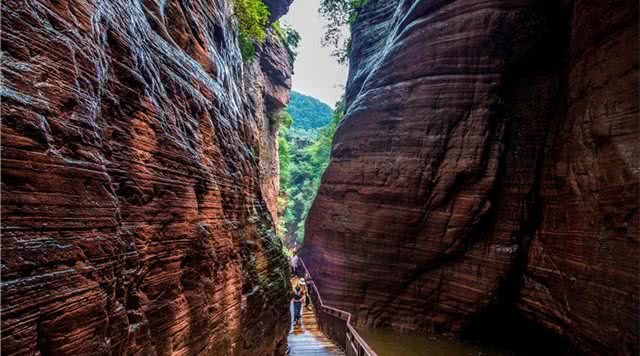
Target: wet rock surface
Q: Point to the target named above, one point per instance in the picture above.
(139, 174)
(484, 182)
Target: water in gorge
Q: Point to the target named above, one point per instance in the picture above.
(388, 342)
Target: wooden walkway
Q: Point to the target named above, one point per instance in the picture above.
(307, 339)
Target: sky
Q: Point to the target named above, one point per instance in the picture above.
(316, 72)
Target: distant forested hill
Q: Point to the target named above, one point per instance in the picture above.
(308, 112)
(304, 149)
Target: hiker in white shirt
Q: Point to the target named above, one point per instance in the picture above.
(295, 261)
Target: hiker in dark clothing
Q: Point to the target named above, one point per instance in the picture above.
(298, 298)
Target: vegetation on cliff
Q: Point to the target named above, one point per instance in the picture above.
(289, 37)
(252, 16)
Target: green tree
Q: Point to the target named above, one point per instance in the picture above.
(289, 37)
(284, 120)
(341, 14)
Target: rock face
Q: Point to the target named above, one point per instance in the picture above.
(277, 8)
(484, 181)
(139, 174)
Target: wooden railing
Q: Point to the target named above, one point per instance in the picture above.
(336, 323)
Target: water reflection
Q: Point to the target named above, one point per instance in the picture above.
(387, 342)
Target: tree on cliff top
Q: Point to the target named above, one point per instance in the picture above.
(289, 37)
(341, 14)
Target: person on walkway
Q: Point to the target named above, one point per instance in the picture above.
(298, 297)
(295, 261)
(305, 291)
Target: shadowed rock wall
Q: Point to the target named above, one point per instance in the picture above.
(484, 181)
(139, 178)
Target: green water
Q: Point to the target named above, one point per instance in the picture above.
(386, 342)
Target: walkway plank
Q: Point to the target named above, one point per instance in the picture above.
(307, 339)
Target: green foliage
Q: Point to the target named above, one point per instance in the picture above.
(284, 149)
(340, 14)
(246, 47)
(308, 112)
(289, 37)
(305, 160)
(252, 16)
(282, 119)
(293, 39)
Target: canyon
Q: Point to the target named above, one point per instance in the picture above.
(139, 180)
(484, 181)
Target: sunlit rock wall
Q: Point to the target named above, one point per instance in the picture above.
(139, 174)
(484, 181)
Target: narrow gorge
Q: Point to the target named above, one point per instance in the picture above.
(483, 182)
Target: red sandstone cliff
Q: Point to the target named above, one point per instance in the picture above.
(139, 174)
(484, 181)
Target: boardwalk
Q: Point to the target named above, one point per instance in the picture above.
(307, 339)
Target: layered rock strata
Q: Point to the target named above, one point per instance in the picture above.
(139, 178)
(484, 181)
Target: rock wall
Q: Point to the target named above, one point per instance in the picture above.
(139, 174)
(484, 181)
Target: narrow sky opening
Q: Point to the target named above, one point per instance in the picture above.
(317, 73)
